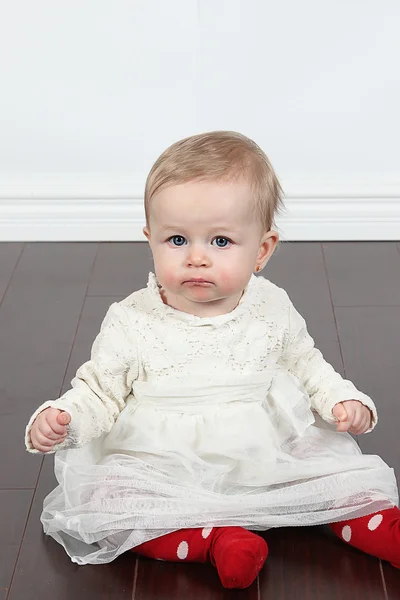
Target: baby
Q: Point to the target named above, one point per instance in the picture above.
(205, 412)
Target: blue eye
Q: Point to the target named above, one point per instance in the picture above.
(177, 240)
(222, 242)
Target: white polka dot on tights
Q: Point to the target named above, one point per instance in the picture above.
(206, 532)
(374, 522)
(346, 533)
(183, 550)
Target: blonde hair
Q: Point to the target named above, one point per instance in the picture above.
(218, 156)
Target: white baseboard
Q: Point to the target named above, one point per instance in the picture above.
(117, 217)
(341, 219)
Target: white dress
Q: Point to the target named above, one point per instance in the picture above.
(179, 421)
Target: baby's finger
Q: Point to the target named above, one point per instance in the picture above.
(43, 444)
(358, 419)
(41, 448)
(344, 426)
(54, 425)
(41, 439)
(48, 432)
(339, 412)
(361, 427)
(365, 425)
(63, 418)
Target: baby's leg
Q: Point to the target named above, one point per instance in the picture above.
(237, 553)
(377, 534)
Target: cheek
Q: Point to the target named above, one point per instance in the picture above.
(167, 275)
(230, 280)
(168, 279)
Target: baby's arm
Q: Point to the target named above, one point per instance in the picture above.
(101, 385)
(324, 385)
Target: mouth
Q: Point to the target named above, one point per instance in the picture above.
(198, 281)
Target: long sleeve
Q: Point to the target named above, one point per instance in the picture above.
(323, 384)
(101, 385)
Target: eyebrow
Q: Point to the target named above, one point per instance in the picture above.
(212, 229)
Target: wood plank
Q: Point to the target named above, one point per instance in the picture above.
(18, 469)
(370, 341)
(169, 581)
(38, 319)
(363, 273)
(299, 268)
(93, 313)
(14, 507)
(40, 553)
(120, 269)
(45, 571)
(313, 564)
(392, 581)
(9, 255)
(369, 338)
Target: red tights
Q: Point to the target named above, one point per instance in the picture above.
(239, 555)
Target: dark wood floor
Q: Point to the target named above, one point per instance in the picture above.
(53, 298)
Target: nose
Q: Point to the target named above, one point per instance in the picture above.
(197, 257)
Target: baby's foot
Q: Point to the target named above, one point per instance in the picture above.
(238, 555)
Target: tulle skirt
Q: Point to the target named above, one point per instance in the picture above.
(247, 453)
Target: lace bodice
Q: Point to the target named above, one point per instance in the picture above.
(176, 346)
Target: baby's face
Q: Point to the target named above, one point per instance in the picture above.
(205, 240)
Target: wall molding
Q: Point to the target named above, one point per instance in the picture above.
(85, 213)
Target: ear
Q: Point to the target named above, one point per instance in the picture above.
(146, 232)
(268, 244)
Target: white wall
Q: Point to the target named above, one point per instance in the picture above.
(91, 92)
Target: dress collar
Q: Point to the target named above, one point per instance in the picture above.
(154, 290)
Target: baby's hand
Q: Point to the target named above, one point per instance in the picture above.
(353, 416)
(49, 428)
